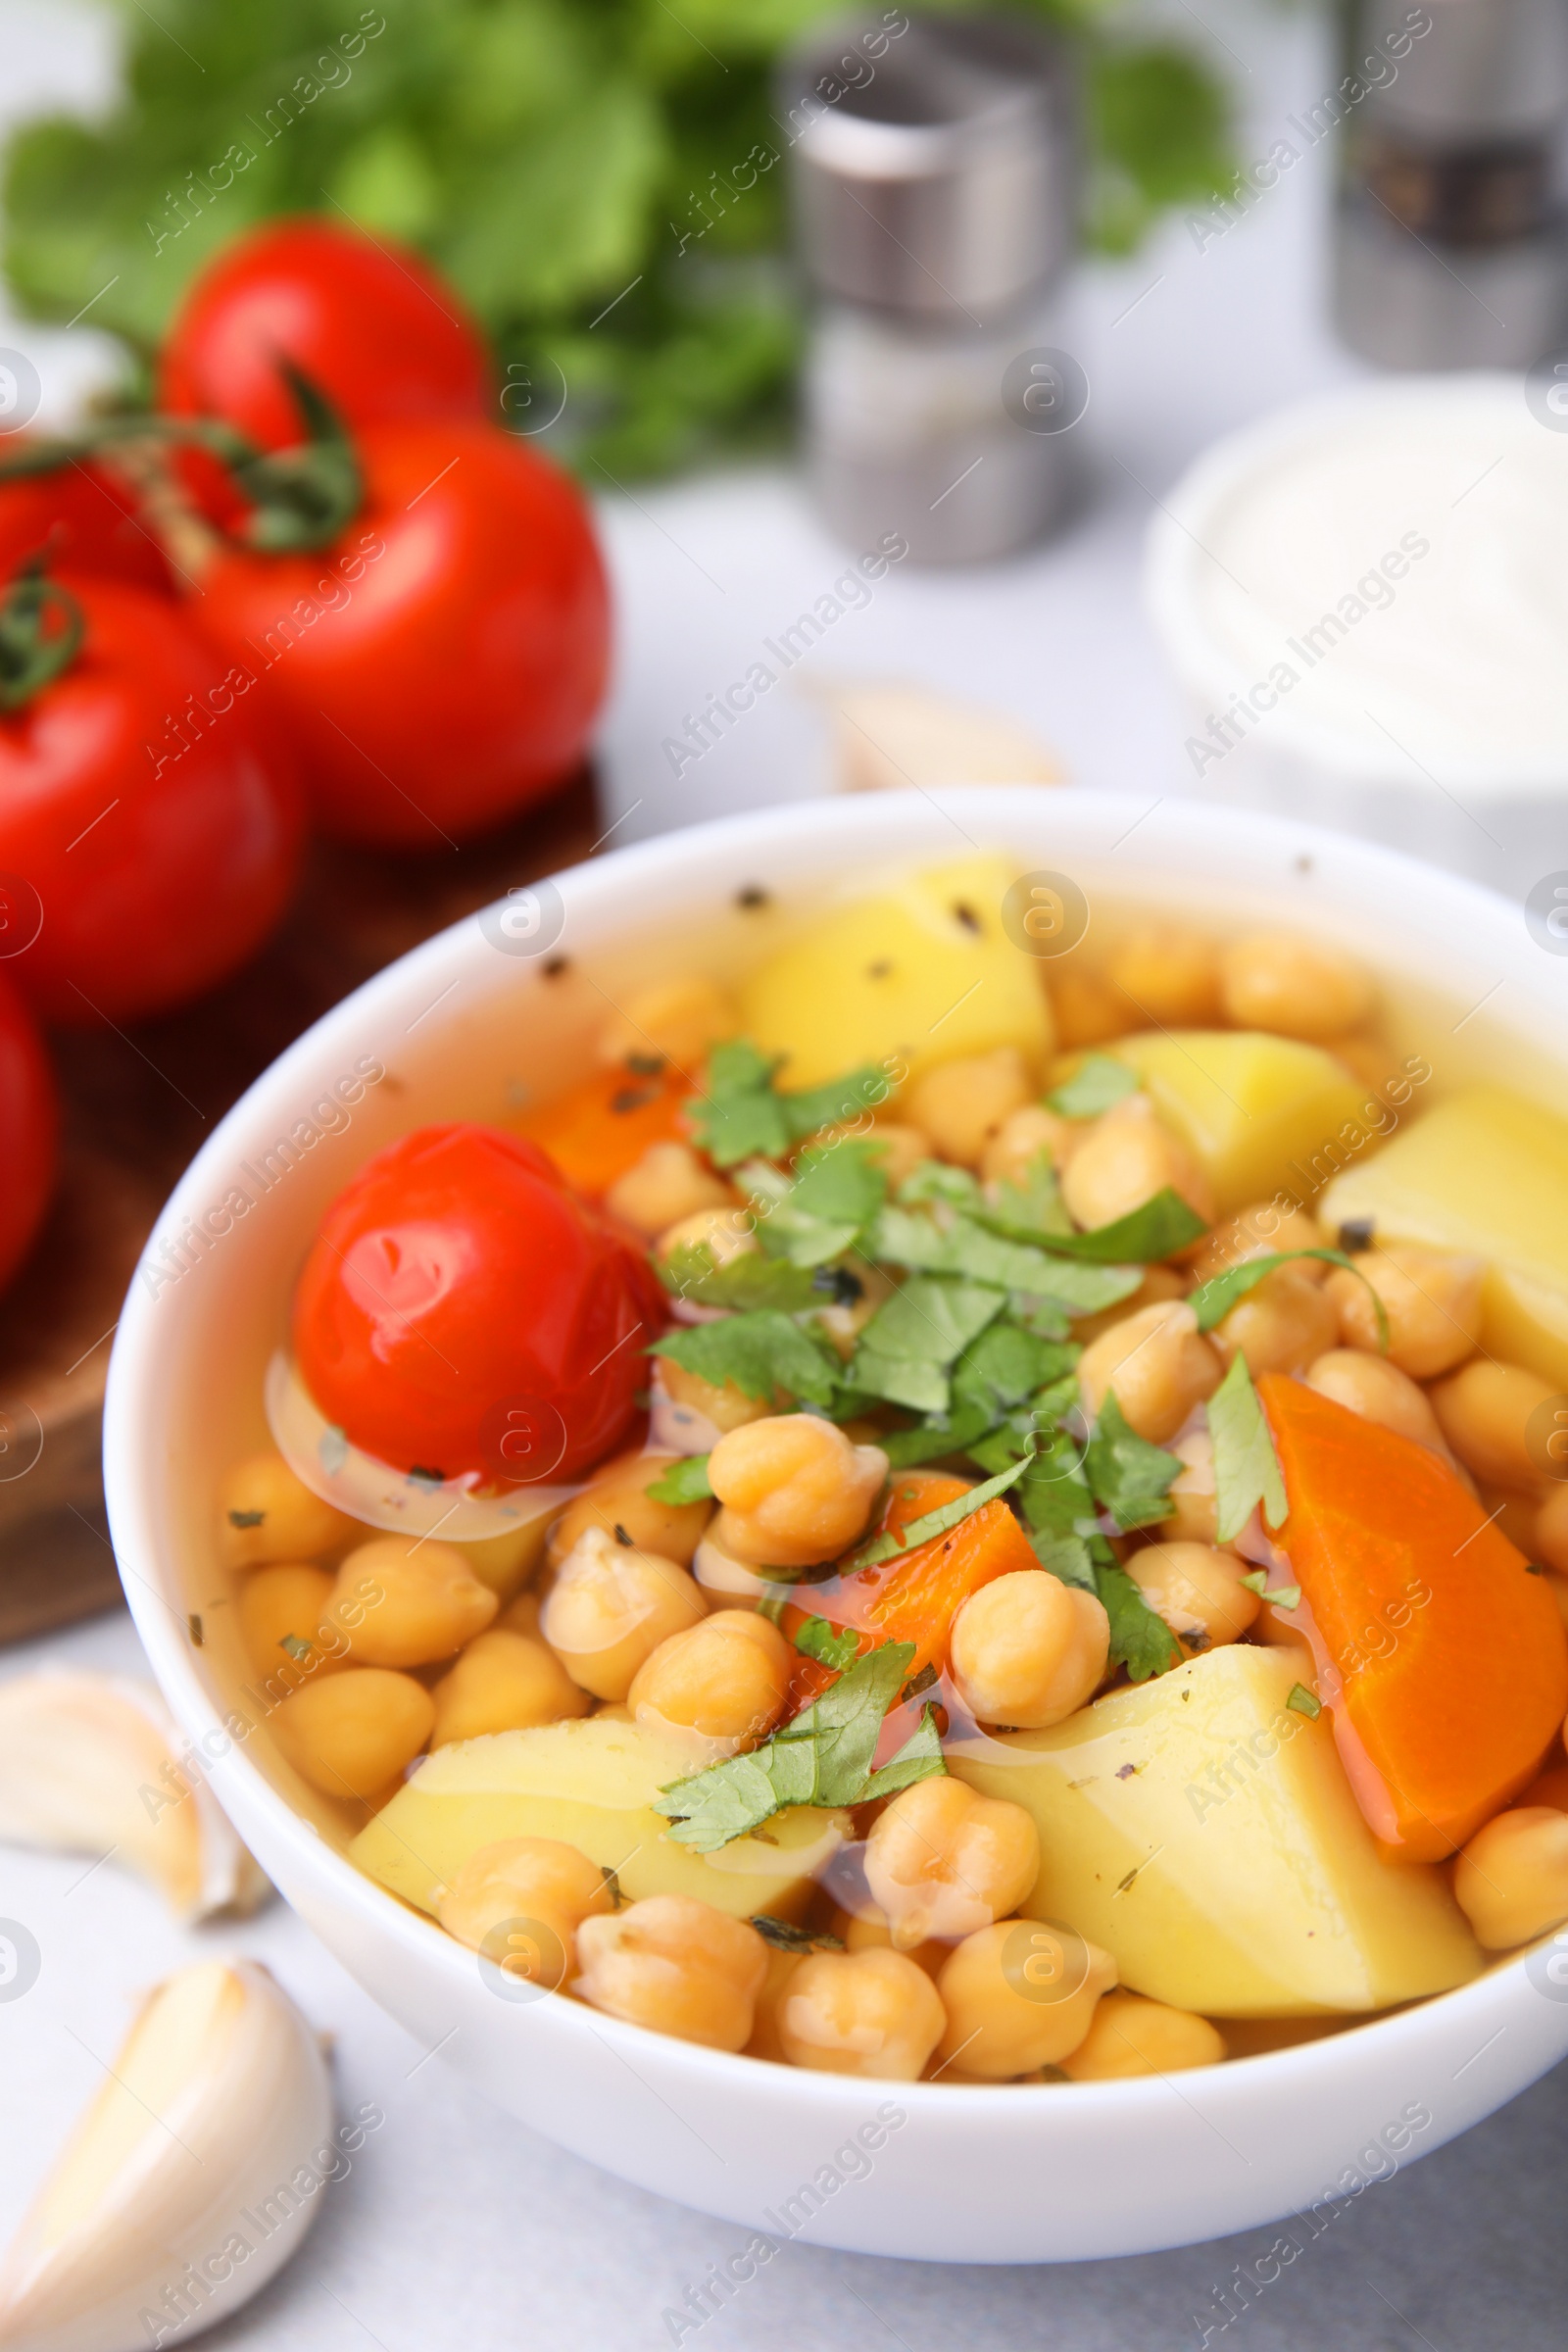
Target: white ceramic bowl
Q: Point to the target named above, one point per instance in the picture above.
(961, 2173)
(1239, 565)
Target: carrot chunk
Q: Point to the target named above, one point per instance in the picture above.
(914, 1596)
(603, 1127)
(1442, 1655)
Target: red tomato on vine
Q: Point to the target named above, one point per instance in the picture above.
(29, 1122)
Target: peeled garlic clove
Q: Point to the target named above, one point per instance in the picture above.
(182, 2190)
(889, 736)
(87, 1766)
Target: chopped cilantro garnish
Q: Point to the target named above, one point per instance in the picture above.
(1098, 1082)
(785, 1936)
(1302, 1701)
(823, 1757)
(1246, 1470)
(1145, 1235)
(1032, 1210)
(759, 1354)
(743, 1113)
(935, 1180)
(939, 1522)
(970, 1249)
(683, 1482)
(1284, 1596)
(1066, 1556)
(904, 1351)
(822, 1210)
(1212, 1301)
(1130, 1478)
(830, 1645)
(1140, 1639)
(742, 1284)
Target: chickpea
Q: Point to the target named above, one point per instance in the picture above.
(539, 1888)
(618, 1498)
(505, 1562)
(1485, 1413)
(795, 1491)
(1157, 1366)
(676, 1021)
(1296, 987)
(520, 1616)
(668, 1185)
(1132, 2035)
(1193, 1491)
(1369, 1385)
(285, 1623)
(1430, 1298)
(1026, 1135)
(1259, 1230)
(1370, 1059)
(1550, 1533)
(942, 1861)
(1020, 1995)
(611, 1606)
(1283, 1324)
(723, 1578)
(868, 1930)
(430, 1602)
(504, 1682)
(873, 2013)
(765, 2041)
(352, 1735)
(677, 1966)
(1171, 975)
(1279, 1628)
(725, 1679)
(724, 1233)
(898, 1147)
(1511, 1880)
(1027, 1652)
(1159, 1283)
(723, 1410)
(1196, 1590)
(1125, 1159)
(266, 1513)
(1089, 1012)
(963, 1104)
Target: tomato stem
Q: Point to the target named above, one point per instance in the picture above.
(31, 653)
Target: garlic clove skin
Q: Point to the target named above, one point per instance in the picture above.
(87, 1765)
(182, 2190)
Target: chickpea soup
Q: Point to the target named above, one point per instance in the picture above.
(945, 1515)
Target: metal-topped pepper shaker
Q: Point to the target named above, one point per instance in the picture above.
(1451, 243)
(935, 187)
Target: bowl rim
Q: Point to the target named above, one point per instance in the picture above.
(1178, 535)
(131, 1450)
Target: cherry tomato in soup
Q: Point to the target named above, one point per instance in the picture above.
(462, 1311)
(151, 829)
(29, 1123)
(372, 325)
(440, 663)
(82, 519)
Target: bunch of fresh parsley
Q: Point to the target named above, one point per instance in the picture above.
(592, 176)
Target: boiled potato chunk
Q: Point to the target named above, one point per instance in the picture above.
(925, 973)
(1485, 1173)
(1264, 1114)
(1205, 1834)
(590, 1782)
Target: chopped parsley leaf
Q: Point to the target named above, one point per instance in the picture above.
(1302, 1701)
(904, 1351)
(760, 1354)
(785, 1936)
(1099, 1081)
(1246, 1470)
(1129, 1478)
(1285, 1597)
(1140, 1639)
(683, 1482)
(822, 1210)
(1212, 1301)
(743, 1113)
(744, 1283)
(831, 1646)
(932, 1524)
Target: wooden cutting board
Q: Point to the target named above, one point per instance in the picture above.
(137, 1104)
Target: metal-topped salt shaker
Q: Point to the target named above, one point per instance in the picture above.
(934, 178)
(1452, 239)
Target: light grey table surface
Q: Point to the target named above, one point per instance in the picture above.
(457, 2226)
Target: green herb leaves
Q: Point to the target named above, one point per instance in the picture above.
(939, 1522)
(824, 1210)
(742, 1114)
(759, 1354)
(1246, 1470)
(1098, 1082)
(1302, 1701)
(1130, 1478)
(831, 1646)
(683, 1482)
(1213, 1301)
(904, 1351)
(1140, 1639)
(823, 1757)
